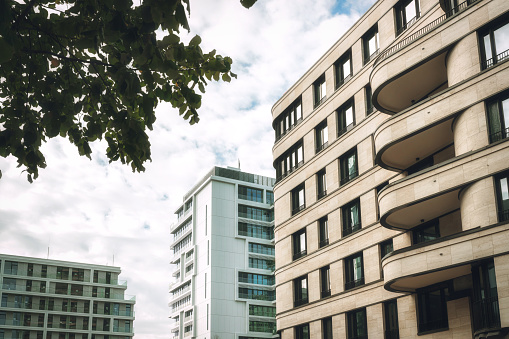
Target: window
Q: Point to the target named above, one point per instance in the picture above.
(351, 217)
(30, 270)
(288, 119)
(299, 244)
(357, 324)
(343, 69)
(321, 182)
(486, 313)
(269, 198)
(348, 166)
(290, 160)
(369, 100)
(494, 43)
(78, 274)
(386, 247)
(407, 12)
(63, 273)
(502, 188)
(263, 264)
(354, 273)
(264, 311)
(254, 213)
(323, 231)
(258, 279)
(370, 44)
(427, 232)
(256, 231)
(319, 90)
(302, 331)
(251, 194)
(327, 328)
(262, 326)
(321, 136)
(498, 118)
(300, 291)
(325, 290)
(391, 319)
(255, 294)
(298, 201)
(432, 308)
(262, 249)
(44, 271)
(9, 284)
(346, 119)
(11, 267)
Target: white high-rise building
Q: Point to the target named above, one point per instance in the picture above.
(223, 249)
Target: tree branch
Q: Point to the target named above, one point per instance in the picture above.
(23, 14)
(63, 57)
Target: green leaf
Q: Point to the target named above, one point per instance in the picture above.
(6, 50)
(247, 3)
(226, 77)
(195, 41)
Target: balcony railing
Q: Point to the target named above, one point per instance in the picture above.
(324, 242)
(433, 325)
(345, 129)
(298, 209)
(299, 254)
(321, 147)
(503, 215)
(498, 58)
(349, 177)
(411, 38)
(351, 229)
(500, 135)
(325, 293)
(300, 302)
(284, 175)
(322, 194)
(257, 281)
(123, 329)
(486, 314)
(354, 283)
(266, 297)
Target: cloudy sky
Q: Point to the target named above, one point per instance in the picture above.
(92, 211)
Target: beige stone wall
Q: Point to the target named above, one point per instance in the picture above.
(375, 320)
(478, 205)
(450, 224)
(470, 130)
(339, 326)
(502, 277)
(371, 257)
(407, 316)
(463, 60)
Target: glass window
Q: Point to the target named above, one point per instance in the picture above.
(498, 118)
(495, 43)
(502, 188)
(348, 164)
(370, 44)
(386, 247)
(321, 136)
(11, 267)
(262, 249)
(346, 119)
(323, 231)
(269, 199)
(354, 272)
(485, 311)
(299, 244)
(63, 273)
(256, 231)
(407, 12)
(325, 290)
(321, 182)
(369, 100)
(343, 69)
(251, 293)
(300, 288)
(351, 217)
(391, 319)
(427, 232)
(290, 160)
(9, 284)
(264, 311)
(319, 90)
(263, 264)
(78, 274)
(302, 331)
(432, 308)
(258, 279)
(254, 213)
(298, 199)
(327, 328)
(357, 324)
(288, 119)
(251, 194)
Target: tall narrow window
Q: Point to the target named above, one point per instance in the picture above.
(298, 201)
(432, 308)
(391, 319)
(327, 328)
(321, 136)
(348, 164)
(302, 331)
(498, 118)
(369, 100)
(386, 247)
(288, 119)
(351, 217)
(269, 198)
(323, 230)
(300, 288)
(502, 188)
(321, 182)
(357, 324)
(354, 272)
(346, 119)
(486, 313)
(299, 244)
(407, 12)
(370, 44)
(325, 290)
(290, 160)
(494, 43)
(319, 90)
(343, 69)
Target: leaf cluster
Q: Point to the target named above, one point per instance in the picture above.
(92, 69)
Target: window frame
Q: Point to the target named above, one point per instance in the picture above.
(372, 33)
(302, 331)
(402, 22)
(298, 194)
(327, 332)
(351, 279)
(501, 193)
(345, 167)
(339, 76)
(370, 108)
(488, 31)
(289, 161)
(325, 284)
(391, 320)
(300, 291)
(321, 136)
(425, 310)
(353, 325)
(298, 249)
(321, 184)
(485, 303)
(347, 222)
(342, 115)
(501, 116)
(418, 235)
(288, 119)
(319, 91)
(323, 231)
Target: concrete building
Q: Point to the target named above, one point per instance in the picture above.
(223, 249)
(52, 299)
(392, 158)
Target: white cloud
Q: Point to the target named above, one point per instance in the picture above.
(90, 211)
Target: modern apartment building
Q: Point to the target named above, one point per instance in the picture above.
(392, 161)
(223, 249)
(52, 299)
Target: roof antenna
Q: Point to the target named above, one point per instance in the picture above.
(239, 162)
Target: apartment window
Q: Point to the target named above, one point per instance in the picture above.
(343, 69)
(302, 331)
(288, 119)
(254, 213)
(255, 294)
(323, 231)
(386, 247)
(427, 232)
(262, 249)
(256, 231)
(63, 273)
(432, 308)
(502, 188)
(351, 217)
(348, 166)
(9, 284)
(391, 319)
(407, 12)
(327, 328)
(298, 201)
(321, 136)
(319, 90)
(300, 291)
(498, 118)
(44, 271)
(262, 326)
(78, 274)
(264, 311)
(354, 272)
(258, 279)
(495, 43)
(11, 267)
(370, 44)
(263, 264)
(346, 119)
(290, 160)
(357, 324)
(321, 181)
(325, 290)
(269, 197)
(30, 270)
(369, 100)
(485, 310)
(299, 244)
(2, 318)
(251, 194)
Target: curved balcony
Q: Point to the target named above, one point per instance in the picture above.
(445, 258)
(415, 67)
(434, 191)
